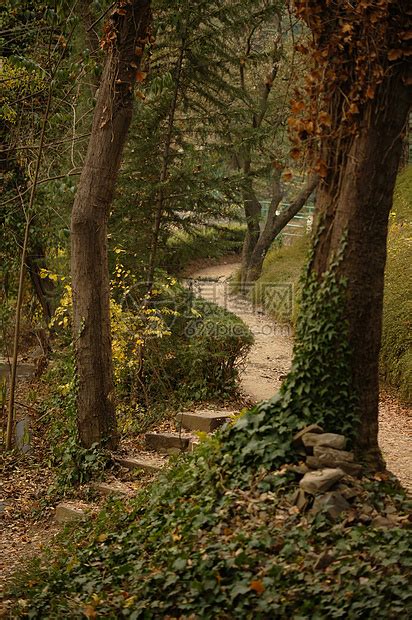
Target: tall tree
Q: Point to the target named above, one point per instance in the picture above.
(354, 113)
(125, 36)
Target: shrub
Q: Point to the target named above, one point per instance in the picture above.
(208, 242)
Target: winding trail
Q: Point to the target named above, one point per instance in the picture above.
(270, 358)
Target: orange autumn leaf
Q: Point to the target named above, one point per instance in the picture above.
(297, 106)
(89, 611)
(141, 76)
(370, 92)
(295, 153)
(395, 54)
(257, 586)
(287, 176)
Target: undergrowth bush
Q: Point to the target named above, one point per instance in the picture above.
(207, 242)
(169, 349)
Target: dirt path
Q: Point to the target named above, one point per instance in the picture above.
(270, 359)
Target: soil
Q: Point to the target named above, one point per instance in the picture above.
(270, 359)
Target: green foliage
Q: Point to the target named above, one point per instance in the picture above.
(396, 352)
(206, 242)
(72, 463)
(195, 544)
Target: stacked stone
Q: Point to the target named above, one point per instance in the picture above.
(327, 465)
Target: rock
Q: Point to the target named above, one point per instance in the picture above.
(383, 522)
(330, 454)
(116, 488)
(329, 457)
(206, 421)
(167, 443)
(332, 503)
(147, 464)
(312, 428)
(299, 499)
(300, 468)
(347, 492)
(320, 480)
(23, 435)
(67, 513)
(329, 440)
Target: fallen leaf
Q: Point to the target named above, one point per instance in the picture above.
(257, 586)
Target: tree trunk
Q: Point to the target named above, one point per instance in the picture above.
(253, 210)
(359, 208)
(124, 38)
(275, 224)
(44, 287)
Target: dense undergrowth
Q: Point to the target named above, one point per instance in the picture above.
(218, 535)
(203, 243)
(175, 351)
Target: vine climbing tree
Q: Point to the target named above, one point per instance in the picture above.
(349, 120)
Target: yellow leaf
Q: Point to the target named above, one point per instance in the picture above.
(102, 537)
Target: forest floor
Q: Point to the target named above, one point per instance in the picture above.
(26, 527)
(270, 359)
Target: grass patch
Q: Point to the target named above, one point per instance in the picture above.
(396, 352)
(282, 268)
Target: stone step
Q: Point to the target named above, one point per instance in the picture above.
(205, 421)
(167, 443)
(67, 513)
(147, 464)
(112, 488)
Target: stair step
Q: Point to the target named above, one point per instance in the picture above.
(167, 443)
(206, 421)
(67, 513)
(111, 488)
(147, 464)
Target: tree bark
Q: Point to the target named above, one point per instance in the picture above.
(44, 287)
(275, 224)
(359, 207)
(125, 35)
